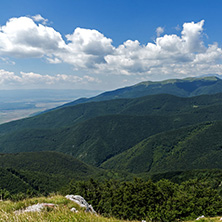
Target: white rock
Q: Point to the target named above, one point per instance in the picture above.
(200, 217)
(74, 210)
(35, 208)
(81, 202)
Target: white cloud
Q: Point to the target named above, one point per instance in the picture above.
(53, 60)
(7, 60)
(87, 48)
(170, 55)
(30, 79)
(191, 34)
(7, 77)
(90, 51)
(35, 78)
(22, 37)
(159, 31)
(39, 18)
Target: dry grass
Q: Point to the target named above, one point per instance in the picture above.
(60, 213)
(215, 219)
(57, 214)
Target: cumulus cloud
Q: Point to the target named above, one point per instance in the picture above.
(169, 55)
(42, 81)
(22, 37)
(8, 77)
(87, 48)
(31, 77)
(39, 18)
(159, 31)
(90, 51)
(191, 34)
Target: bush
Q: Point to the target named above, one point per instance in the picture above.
(161, 201)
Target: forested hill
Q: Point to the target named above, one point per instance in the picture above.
(99, 133)
(41, 172)
(179, 87)
(45, 172)
(155, 105)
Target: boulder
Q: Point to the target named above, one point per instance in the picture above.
(81, 202)
(200, 217)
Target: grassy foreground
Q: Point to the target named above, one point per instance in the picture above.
(61, 212)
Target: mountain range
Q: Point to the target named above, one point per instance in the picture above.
(149, 128)
(179, 87)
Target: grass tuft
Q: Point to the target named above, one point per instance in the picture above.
(60, 213)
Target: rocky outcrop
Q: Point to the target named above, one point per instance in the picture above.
(36, 208)
(75, 198)
(81, 202)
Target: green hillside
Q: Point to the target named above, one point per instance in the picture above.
(12, 183)
(149, 105)
(41, 172)
(165, 131)
(95, 136)
(96, 140)
(92, 141)
(47, 162)
(195, 147)
(179, 87)
(211, 175)
(45, 172)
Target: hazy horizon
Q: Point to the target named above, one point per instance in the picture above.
(22, 103)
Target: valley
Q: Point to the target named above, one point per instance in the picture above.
(17, 104)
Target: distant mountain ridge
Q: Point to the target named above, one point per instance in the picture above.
(187, 87)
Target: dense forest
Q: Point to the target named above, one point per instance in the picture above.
(160, 201)
(138, 199)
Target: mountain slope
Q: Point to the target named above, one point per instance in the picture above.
(180, 87)
(12, 183)
(47, 162)
(148, 105)
(194, 147)
(88, 131)
(42, 171)
(92, 141)
(98, 139)
(45, 172)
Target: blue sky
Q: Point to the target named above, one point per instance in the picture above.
(101, 44)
